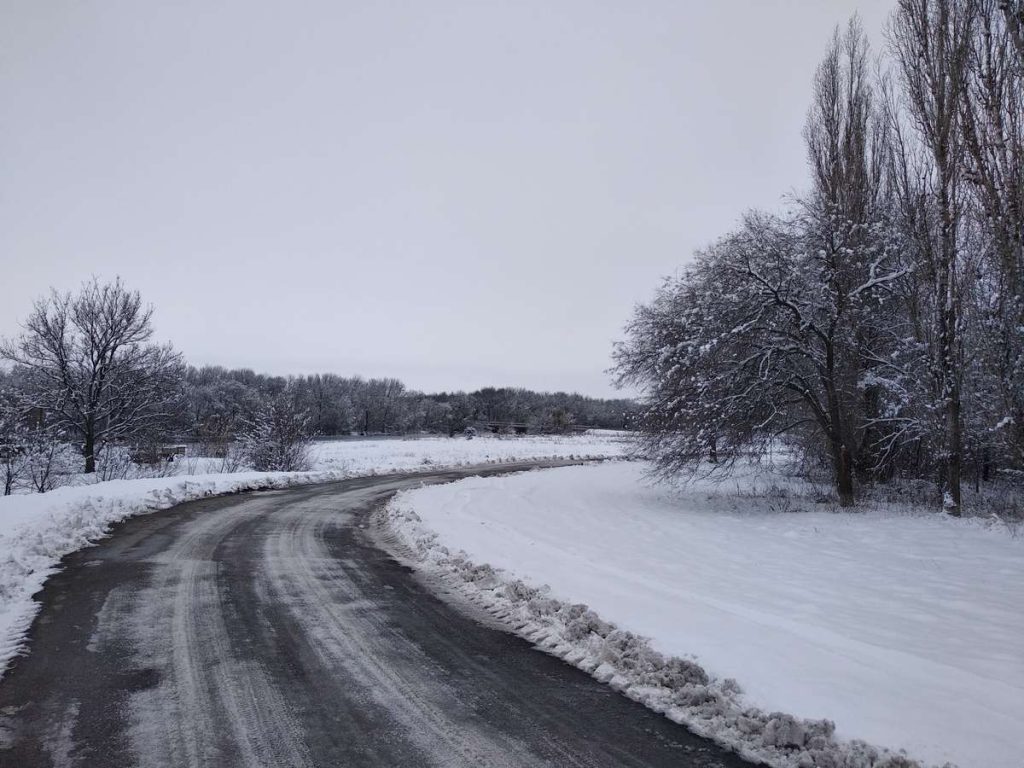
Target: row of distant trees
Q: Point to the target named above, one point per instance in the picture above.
(85, 387)
(220, 400)
(879, 321)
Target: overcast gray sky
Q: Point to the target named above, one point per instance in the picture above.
(454, 193)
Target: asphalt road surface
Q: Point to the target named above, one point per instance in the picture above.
(268, 629)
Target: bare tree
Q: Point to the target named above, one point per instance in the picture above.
(47, 459)
(930, 40)
(1013, 12)
(845, 223)
(380, 403)
(701, 397)
(769, 332)
(993, 119)
(89, 365)
(13, 440)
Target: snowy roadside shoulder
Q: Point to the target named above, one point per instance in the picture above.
(676, 687)
(37, 530)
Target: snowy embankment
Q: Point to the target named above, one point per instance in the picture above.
(902, 629)
(37, 530)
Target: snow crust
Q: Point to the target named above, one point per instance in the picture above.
(37, 530)
(842, 629)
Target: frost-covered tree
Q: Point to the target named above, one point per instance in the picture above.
(880, 322)
(770, 332)
(753, 342)
(33, 453)
(931, 42)
(326, 397)
(702, 398)
(846, 223)
(993, 124)
(219, 403)
(88, 363)
(278, 438)
(1013, 13)
(13, 440)
(49, 457)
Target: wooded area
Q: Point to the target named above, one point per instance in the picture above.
(878, 321)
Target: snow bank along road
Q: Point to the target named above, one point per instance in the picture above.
(267, 629)
(904, 628)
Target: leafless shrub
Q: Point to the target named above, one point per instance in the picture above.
(50, 461)
(278, 439)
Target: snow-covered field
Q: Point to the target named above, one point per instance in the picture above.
(366, 457)
(905, 629)
(37, 530)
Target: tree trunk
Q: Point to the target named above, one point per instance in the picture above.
(842, 462)
(948, 364)
(843, 467)
(954, 428)
(89, 451)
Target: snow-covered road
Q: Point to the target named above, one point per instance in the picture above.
(268, 629)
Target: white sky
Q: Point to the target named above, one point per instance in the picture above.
(455, 193)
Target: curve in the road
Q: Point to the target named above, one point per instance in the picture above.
(267, 629)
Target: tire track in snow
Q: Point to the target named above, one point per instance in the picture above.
(349, 633)
(212, 701)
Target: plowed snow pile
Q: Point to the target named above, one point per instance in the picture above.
(905, 630)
